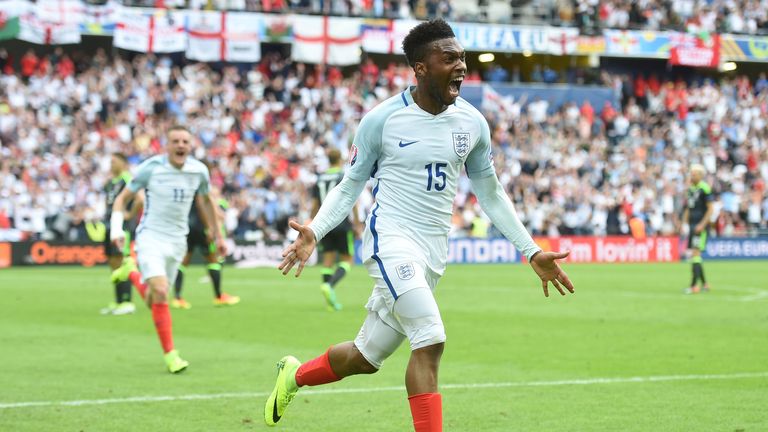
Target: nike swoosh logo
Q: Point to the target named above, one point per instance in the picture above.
(275, 417)
(406, 144)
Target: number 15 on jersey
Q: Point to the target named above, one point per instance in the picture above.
(436, 176)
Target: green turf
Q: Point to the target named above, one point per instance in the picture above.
(624, 321)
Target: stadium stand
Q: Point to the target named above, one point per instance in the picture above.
(581, 169)
(586, 168)
(744, 16)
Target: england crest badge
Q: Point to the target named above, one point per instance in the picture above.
(461, 143)
(405, 271)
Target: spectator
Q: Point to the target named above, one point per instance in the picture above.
(29, 64)
(267, 128)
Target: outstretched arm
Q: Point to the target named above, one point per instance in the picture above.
(500, 209)
(116, 233)
(334, 209)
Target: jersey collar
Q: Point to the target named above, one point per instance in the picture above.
(408, 97)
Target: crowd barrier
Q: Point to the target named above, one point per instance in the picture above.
(611, 249)
(614, 249)
(737, 248)
(87, 254)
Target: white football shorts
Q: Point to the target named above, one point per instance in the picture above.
(159, 257)
(393, 317)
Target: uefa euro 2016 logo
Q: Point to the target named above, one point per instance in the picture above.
(352, 155)
(461, 143)
(405, 271)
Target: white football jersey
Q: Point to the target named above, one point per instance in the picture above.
(170, 194)
(415, 159)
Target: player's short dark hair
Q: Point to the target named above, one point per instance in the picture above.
(334, 156)
(178, 127)
(417, 41)
(121, 156)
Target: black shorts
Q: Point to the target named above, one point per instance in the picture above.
(338, 240)
(697, 241)
(197, 239)
(111, 249)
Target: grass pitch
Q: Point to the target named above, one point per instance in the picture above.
(627, 352)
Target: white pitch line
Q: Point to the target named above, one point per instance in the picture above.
(570, 382)
(755, 293)
(758, 296)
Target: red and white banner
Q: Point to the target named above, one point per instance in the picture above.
(61, 11)
(614, 249)
(385, 35)
(326, 40)
(495, 103)
(160, 33)
(224, 36)
(563, 41)
(694, 50)
(38, 31)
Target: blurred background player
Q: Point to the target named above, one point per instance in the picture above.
(338, 247)
(697, 213)
(199, 238)
(171, 183)
(120, 177)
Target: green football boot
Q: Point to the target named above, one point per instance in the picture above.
(330, 297)
(121, 273)
(174, 362)
(284, 391)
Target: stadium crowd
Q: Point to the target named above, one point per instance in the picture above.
(574, 169)
(579, 172)
(740, 16)
(733, 16)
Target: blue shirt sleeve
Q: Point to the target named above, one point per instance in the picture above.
(366, 147)
(479, 163)
(143, 173)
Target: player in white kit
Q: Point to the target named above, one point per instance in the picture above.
(172, 182)
(414, 145)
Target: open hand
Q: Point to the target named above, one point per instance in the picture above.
(545, 265)
(300, 250)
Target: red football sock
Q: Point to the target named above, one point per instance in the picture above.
(316, 371)
(427, 412)
(135, 278)
(162, 317)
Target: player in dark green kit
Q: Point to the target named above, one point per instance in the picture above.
(697, 214)
(199, 238)
(338, 247)
(120, 177)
